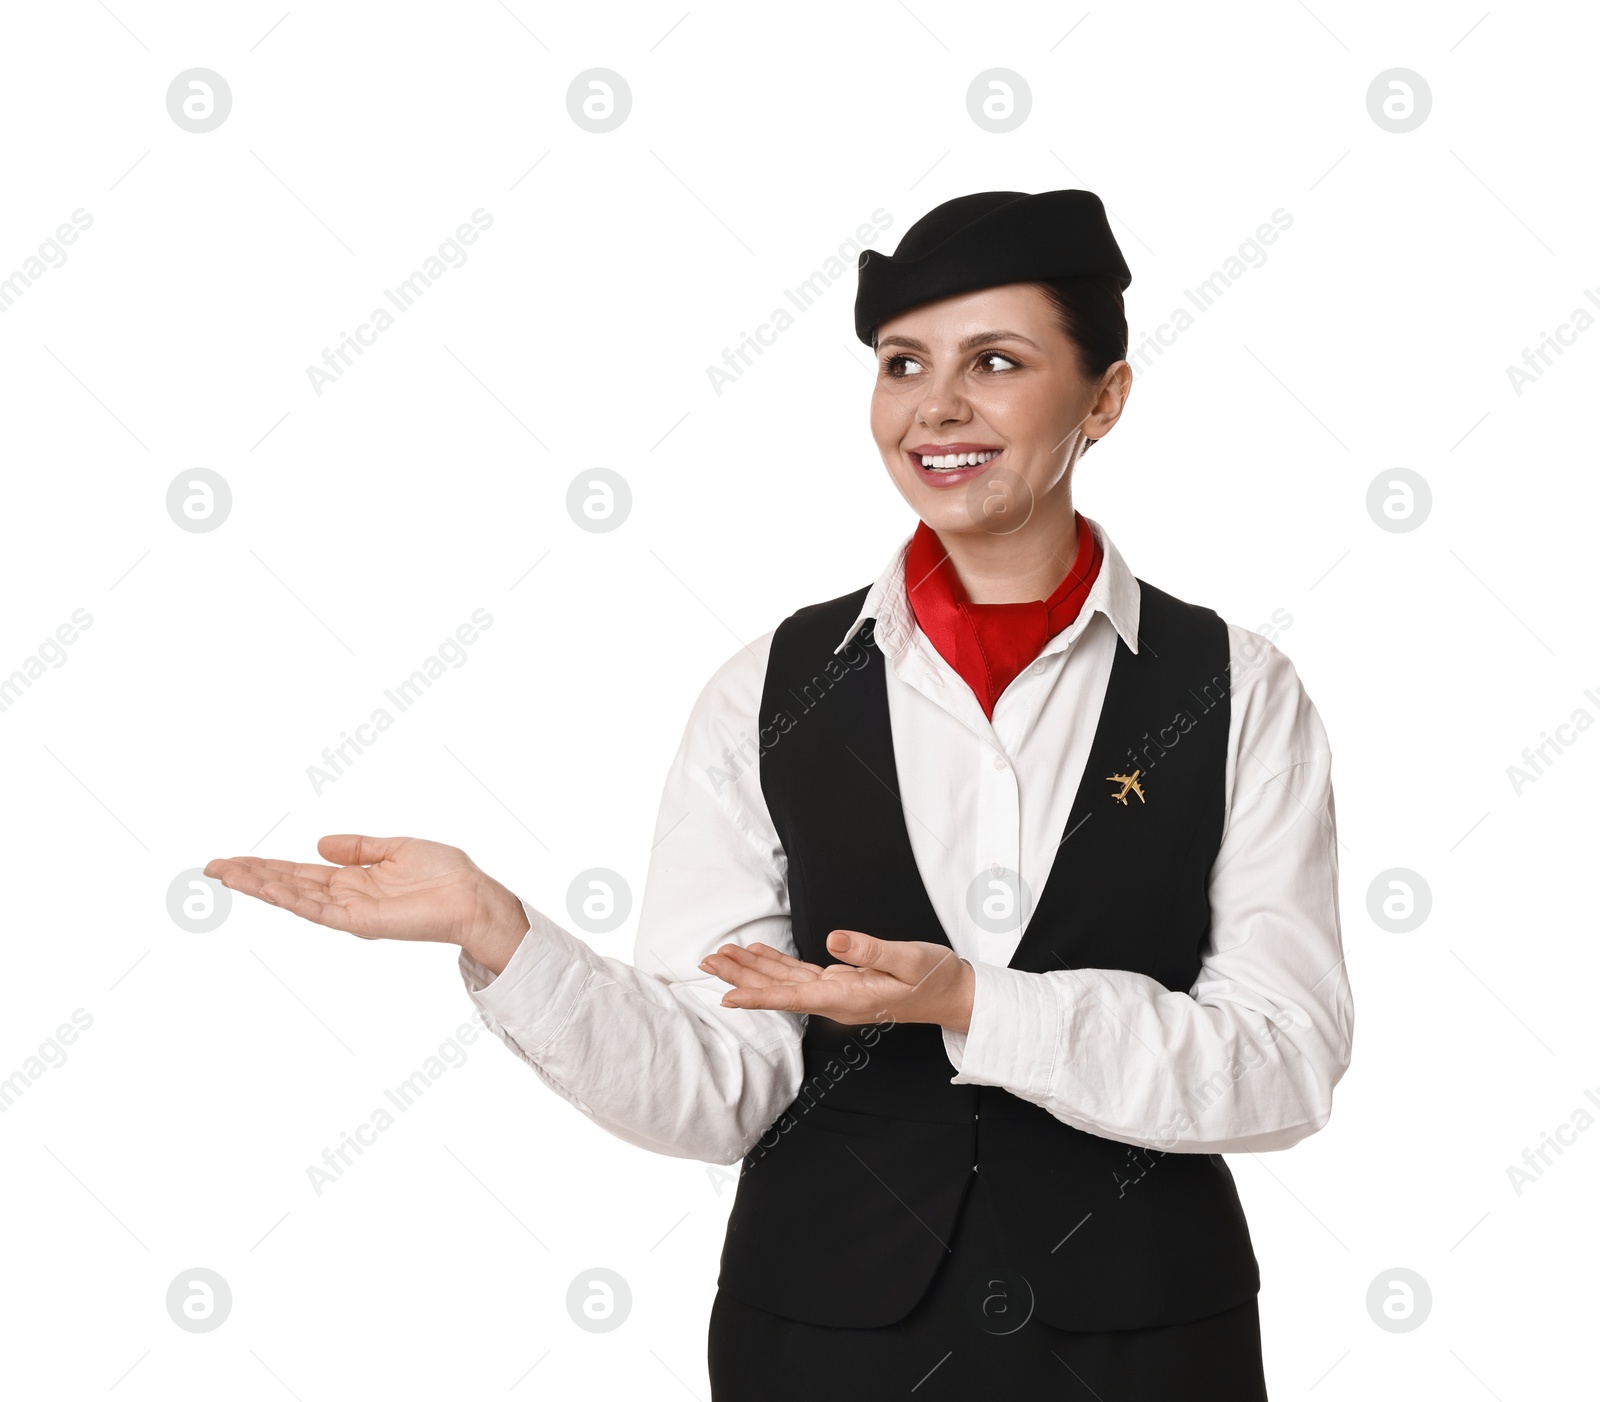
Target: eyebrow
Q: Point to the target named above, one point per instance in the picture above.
(983, 338)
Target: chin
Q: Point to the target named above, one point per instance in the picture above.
(952, 509)
(942, 511)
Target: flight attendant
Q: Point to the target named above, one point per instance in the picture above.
(990, 903)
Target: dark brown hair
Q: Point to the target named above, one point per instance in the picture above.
(1095, 321)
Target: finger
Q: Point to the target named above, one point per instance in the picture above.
(758, 948)
(357, 849)
(782, 997)
(276, 885)
(838, 999)
(761, 959)
(266, 868)
(804, 998)
(242, 875)
(741, 975)
(304, 896)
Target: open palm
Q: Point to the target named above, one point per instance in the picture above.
(878, 979)
(398, 888)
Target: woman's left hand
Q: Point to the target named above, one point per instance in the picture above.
(880, 981)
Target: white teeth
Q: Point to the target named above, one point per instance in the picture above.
(947, 461)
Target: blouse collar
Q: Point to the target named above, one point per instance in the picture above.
(1115, 593)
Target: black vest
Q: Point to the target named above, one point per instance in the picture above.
(846, 1206)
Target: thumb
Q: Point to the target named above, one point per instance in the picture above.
(867, 952)
(350, 849)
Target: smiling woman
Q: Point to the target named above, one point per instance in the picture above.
(939, 1012)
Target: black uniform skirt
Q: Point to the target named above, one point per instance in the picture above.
(973, 1334)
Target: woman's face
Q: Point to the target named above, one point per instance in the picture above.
(989, 380)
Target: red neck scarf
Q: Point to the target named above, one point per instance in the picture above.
(989, 644)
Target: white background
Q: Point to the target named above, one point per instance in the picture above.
(369, 521)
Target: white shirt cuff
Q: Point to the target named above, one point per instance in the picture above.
(1018, 1025)
(533, 996)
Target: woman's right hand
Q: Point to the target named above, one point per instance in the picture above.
(395, 888)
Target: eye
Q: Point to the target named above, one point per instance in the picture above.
(897, 367)
(1006, 362)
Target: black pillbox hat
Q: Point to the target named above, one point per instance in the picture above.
(985, 240)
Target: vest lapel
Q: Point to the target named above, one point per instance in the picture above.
(1083, 846)
(876, 755)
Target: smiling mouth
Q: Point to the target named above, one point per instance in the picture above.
(953, 460)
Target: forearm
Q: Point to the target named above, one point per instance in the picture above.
(650, 1059)
(1118, 1055)
(1247, 1058)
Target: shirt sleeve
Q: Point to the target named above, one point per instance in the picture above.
(1248, 1058)
(646, 1050)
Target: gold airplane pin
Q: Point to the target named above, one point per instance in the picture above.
(1128, 781)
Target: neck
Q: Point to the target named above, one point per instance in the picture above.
(1019, 566)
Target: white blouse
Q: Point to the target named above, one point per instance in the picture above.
(1245, 1060)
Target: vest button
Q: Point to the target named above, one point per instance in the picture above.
(974, 1168)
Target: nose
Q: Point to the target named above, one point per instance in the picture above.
(943, 402)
